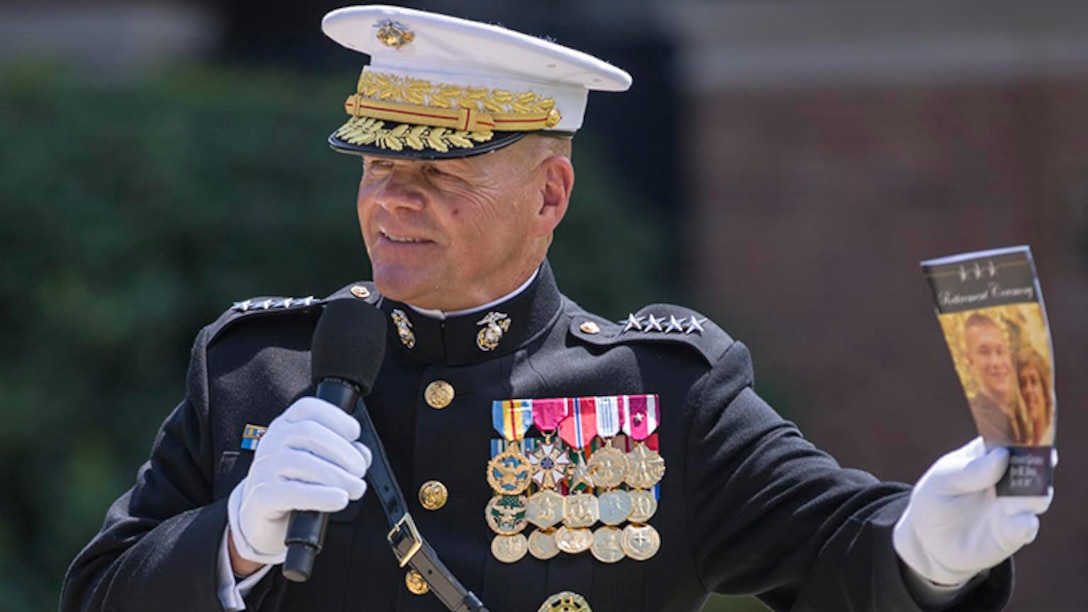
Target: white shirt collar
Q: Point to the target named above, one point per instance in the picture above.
(443, 315)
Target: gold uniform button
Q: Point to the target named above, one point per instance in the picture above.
(415, 583)
(433, 495)
(360, 292)
(438, 394)
(589, 327)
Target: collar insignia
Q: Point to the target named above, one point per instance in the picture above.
(404, 328)
(489, 337)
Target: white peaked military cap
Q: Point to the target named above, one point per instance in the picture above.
(441, 87)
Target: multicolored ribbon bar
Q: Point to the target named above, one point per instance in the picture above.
(611, 411)
(251, 436)
(642, 416)
(548, 413)
(578, 429)
(512, 418)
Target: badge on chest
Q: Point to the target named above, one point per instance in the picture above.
(587, 481)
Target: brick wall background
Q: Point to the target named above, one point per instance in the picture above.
(810, 210)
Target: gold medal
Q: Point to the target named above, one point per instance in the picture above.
(509, 549)
(505, 514)
(640, 542)
(580, 510)
(573, 541)
(606, 545)
(542, 544)
(608, 467)
(509, 473)
(644, 467)
(643, 506)
(580, 479)
(565, 602)
(614, 506)
(545, 509)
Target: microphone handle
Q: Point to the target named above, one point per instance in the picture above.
(306, 528)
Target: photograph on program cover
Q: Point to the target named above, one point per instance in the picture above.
(994, 323)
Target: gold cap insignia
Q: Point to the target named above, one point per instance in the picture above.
(393, 34)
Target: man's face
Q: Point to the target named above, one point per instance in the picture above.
(989, 358)
(453, 234)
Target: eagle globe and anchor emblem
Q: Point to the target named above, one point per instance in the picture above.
(488, 338)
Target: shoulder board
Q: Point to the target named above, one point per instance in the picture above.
(658, 323)
(260, 307)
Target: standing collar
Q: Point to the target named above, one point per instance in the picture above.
(492, 330)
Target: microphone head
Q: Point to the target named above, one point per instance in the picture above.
(349, 344)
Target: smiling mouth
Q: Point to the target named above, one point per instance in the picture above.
(401, 239)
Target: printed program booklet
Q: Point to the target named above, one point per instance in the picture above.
(991, 311)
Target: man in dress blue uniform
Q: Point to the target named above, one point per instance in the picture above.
(555, 460)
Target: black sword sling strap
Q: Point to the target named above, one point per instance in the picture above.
(409, 547)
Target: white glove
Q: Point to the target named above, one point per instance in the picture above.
(955, 525)
(306, 460)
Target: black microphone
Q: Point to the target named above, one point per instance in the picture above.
(346, 353)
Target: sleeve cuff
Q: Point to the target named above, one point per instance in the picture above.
(232, 592)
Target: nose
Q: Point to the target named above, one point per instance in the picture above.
(399, 191)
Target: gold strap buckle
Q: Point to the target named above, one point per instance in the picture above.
(399, 533)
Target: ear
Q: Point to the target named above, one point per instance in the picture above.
(558, 183)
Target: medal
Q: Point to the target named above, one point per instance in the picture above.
(607, 547)
(579, 476)
(550, 463)
(580, 510)
(607, 467)
(542, 544)
(640, 542)
(509, 472)
(614, 506)
(565, 602)
(509, 549)
(506, 514)
(545, 509)
(573, 541)
(645, 467)
(643, 506)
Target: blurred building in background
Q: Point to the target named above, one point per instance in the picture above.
(830, 147)
(808, 155)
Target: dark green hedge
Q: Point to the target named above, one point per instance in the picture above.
(133, 213)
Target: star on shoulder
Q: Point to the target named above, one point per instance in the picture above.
(666, 323)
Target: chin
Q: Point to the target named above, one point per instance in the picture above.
(399, 284)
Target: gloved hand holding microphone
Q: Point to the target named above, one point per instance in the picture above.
(309, 460)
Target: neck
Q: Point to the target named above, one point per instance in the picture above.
(443, 314)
